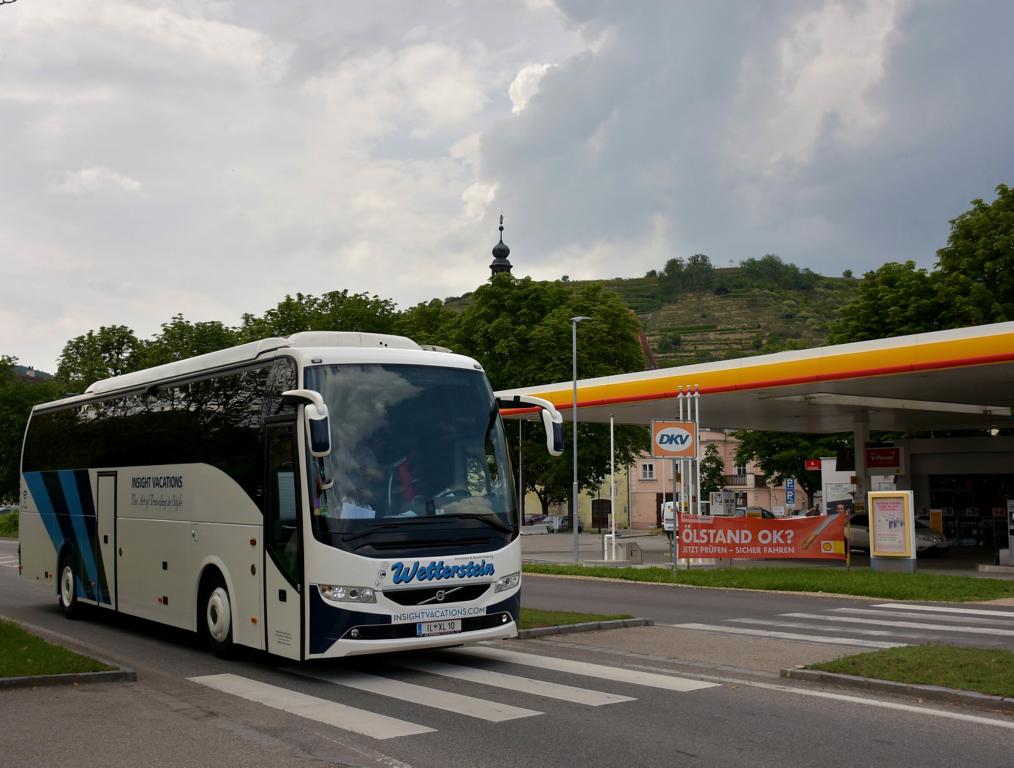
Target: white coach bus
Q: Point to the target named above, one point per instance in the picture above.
(320, 495)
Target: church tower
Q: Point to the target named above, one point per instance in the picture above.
(500, 254)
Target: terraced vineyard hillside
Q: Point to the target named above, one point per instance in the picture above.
(725, 323)
(705, 326)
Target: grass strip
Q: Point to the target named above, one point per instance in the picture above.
(862, 582)
(9, 525)
(533, 617)
(966, 669)
(22, 653)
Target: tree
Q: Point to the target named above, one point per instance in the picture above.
(771, 272)
(973, 282)
(781, 455)
(181, 339)
(712, 470)
(977, 264)
(894, 300)
(17, 396)
(520, 331)
(694, 274)
(428, 323)
(96, 355)
(333, 311)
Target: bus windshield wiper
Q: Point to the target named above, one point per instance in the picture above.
(489, 518)
(377, 524)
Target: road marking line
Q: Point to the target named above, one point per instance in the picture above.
(617, 674)
(934, 617)
(946, 714)
(904, 624)
(945, 609)
(856, 642)
(822, 627)
(422, 696)
(312, 708)
(549, 690)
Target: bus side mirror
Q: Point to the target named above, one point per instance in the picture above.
(318, 425)
(552, 421)
(554, 432)
(318, 428)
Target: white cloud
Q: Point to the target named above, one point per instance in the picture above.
(477, 198)
(96, 178)
(526, 85)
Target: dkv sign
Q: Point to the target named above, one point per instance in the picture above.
(673, 439)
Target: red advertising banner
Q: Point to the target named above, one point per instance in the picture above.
(811, 464)
(758, 537)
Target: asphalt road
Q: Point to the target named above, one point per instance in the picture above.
(641, 704)
(861, 621)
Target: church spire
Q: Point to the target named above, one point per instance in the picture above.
(500, 254)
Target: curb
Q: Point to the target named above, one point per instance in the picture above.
(931, 692)
(36, 681)
(587, 626)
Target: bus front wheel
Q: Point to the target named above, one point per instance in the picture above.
(68, 588)
(218, 617)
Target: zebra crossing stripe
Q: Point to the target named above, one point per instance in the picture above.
(1001, 615)
(422, 696)
(822, 627)
(905, 624)
(617, 674)
(543, 688)
(312, 708)
(922, 617)
(852, 641)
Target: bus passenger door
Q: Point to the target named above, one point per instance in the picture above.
(105, 539)
(283, 555)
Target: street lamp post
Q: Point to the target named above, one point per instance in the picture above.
(576, 518)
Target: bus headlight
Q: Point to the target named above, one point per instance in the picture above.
(342, 594)
(507, 582)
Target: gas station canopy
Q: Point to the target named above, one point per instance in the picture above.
(956, 379)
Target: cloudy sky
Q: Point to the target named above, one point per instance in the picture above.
(206, 157)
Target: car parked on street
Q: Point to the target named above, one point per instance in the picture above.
(927, 541)
(561, 523)
(767, 514)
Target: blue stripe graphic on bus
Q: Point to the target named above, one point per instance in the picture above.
(437, 571)
(63, 498)
(69, 485)
(37, 487)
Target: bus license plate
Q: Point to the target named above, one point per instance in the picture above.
(426, 628)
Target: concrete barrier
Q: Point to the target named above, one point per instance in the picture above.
(629, 551)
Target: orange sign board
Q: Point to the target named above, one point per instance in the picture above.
(673, 439)
(758, 537)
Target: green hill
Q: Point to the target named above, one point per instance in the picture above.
(759, 307)
(702, 326)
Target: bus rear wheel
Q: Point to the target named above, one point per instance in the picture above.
(218, 617)
(67, 588)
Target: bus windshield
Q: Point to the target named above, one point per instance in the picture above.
(414, 449)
